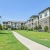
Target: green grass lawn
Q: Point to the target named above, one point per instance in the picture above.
(40, 37)
(9, 42)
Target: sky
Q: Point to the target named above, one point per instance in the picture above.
(21, 10)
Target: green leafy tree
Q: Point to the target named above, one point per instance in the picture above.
(39, 27)
(3, 27)
(25, 28)
(46, 28)
(0, 16)
(36, 27)
(8, 26)
(0, 27)
(22, 27)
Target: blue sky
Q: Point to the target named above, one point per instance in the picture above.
(21, 10)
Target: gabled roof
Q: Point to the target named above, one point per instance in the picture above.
(16, 21)
(34, 16)
(44, 10)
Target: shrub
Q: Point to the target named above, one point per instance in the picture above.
(25, 28)
(39, 27)
(30, 29)
(36, 28)
(46, 28)
(9, 26)
(22, 27)
(13, 28)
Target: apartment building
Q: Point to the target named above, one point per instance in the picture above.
(14, 24)
(32, 22)
(44, 18)
(28, 24)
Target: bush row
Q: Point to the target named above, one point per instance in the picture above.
(39, 28)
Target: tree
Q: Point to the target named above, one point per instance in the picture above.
(36, 27)
(46, 28)
(31, 29)
(39, 27)
(8, 26)
(25, 28)
(0, 16)
(0, 27)
(3, 27)
(22, 27)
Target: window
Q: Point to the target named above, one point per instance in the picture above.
(32, 19)
(9, 23)
(32, 23)
(45, 14)
(45, 21)
(29, 21)
(3, 22)
(15, 24)
(40, 16)
(21, 23)
(40, 22)
(6, 22)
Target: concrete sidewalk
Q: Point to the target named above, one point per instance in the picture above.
(31, 45)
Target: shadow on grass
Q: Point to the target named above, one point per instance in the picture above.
(3, 33)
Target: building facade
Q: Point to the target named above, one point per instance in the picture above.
(14, 24)
(44, 18)
(32, 22)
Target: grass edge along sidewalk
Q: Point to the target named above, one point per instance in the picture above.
(9, 42)
(39, 37)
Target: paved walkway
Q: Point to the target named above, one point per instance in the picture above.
(31, 45)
